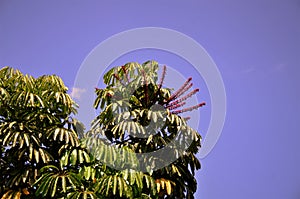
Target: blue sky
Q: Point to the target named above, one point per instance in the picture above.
(255, 44)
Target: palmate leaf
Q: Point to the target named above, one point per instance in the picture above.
(60, 97)
(12, 194)
(19, 177)
(129, 127)
(103, 97)
(150, 184)
(108, 153)
(125, 183)
(73, 156)
(35, 154)
(13, 134)
(89, 172)
(116, 157)
(54, 180)
(27, 99)
(113, 186)
(130, 71)
(8, 73)
(3, 94)
(185, 177)
(164, 185)
(128, 122)
(51, 81)
(82, 194)
(63, 134)
(139, 179)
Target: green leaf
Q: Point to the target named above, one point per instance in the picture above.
(73, 157)
(115, 185)
(149, 139)
(108, 184)
(63, 183)
(15, 138)
(154, 117)
(36, 155)
(26, 138)
(121, 186)
(54, 188)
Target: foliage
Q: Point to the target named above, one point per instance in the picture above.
(140, 114)
(43, 157)
(35, 124)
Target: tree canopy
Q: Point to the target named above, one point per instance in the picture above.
(139, 145)
(35, 126)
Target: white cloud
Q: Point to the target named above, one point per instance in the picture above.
(248, 70)
(77, 92)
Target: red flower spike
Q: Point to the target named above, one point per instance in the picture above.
(161, 81)
(176, 105)
(184, 90)
(181, 90)
(184, 98)
(189, 108)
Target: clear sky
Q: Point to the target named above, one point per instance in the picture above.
(255, 44)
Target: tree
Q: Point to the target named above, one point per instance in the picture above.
(138, 113)
(41, 153)
(45, 154)
(35, 129)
